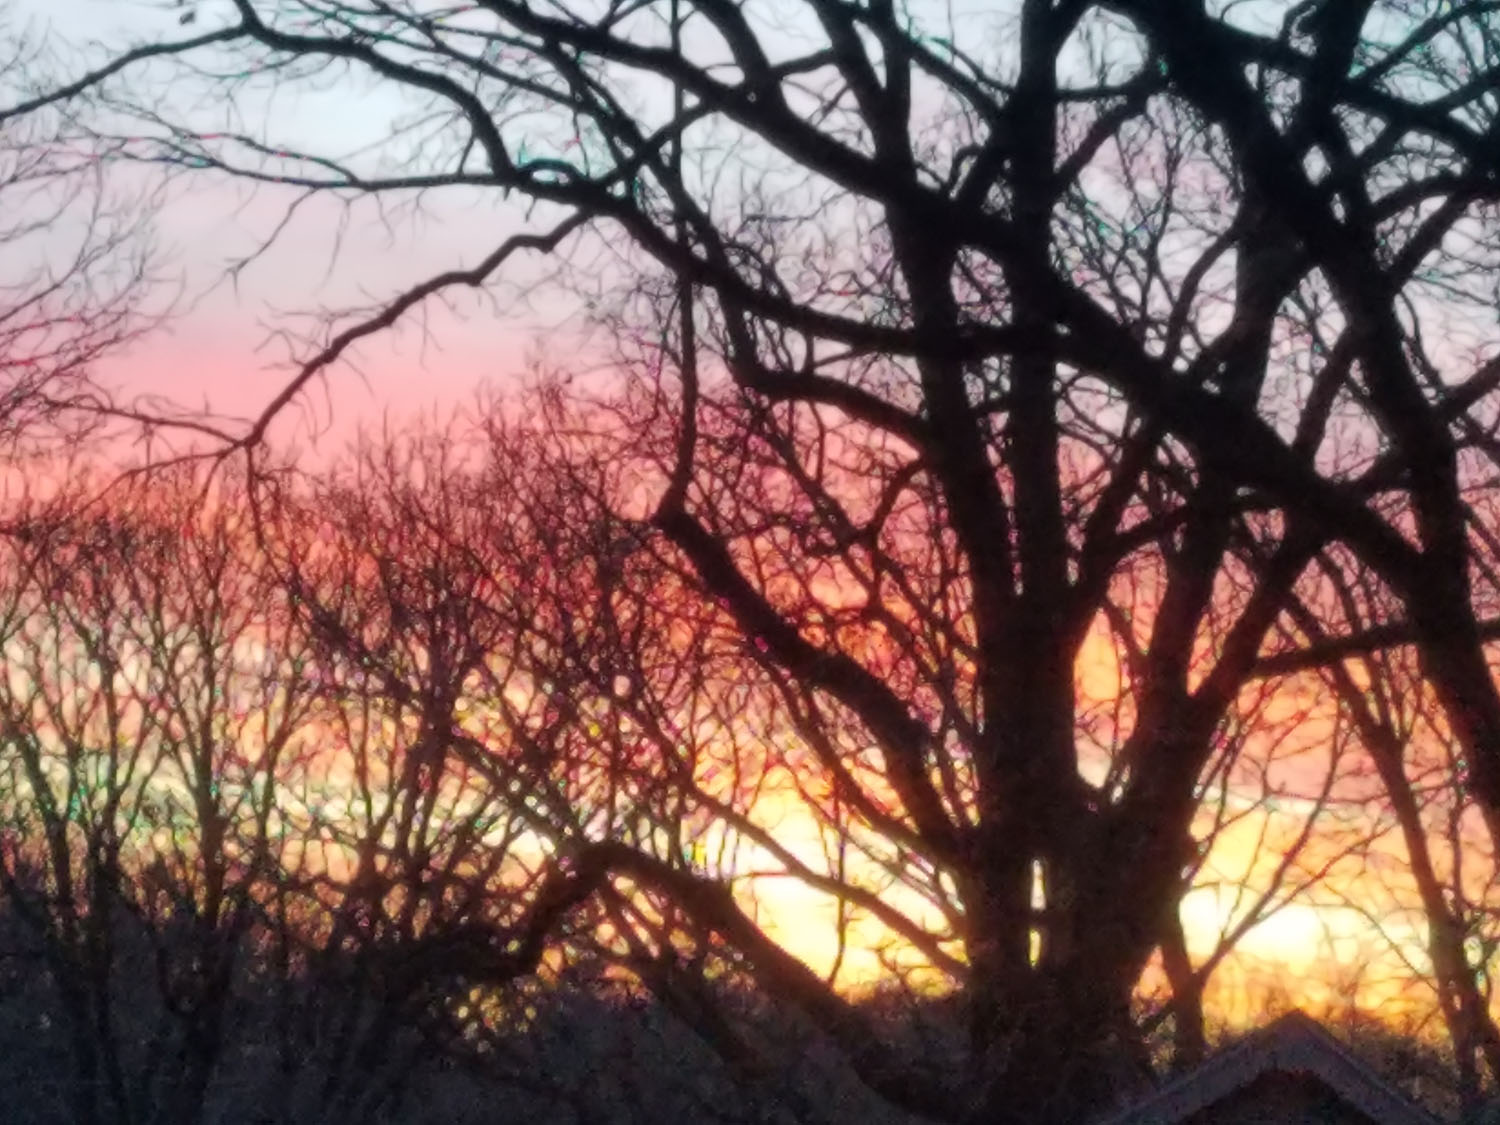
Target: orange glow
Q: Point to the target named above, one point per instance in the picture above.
(1305, 939)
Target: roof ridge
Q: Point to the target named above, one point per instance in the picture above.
(1293, 1042)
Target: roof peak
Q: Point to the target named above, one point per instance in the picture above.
(1293, 1043)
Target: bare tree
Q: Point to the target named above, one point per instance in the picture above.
(410, 875)
(944, 327)
(147, 709)
(470, 756)
(78, 281)
(1448, 875)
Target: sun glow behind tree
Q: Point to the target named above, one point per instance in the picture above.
(560, 730)
(943, 359)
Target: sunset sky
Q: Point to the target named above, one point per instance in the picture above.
(222, 345)
(222, 349)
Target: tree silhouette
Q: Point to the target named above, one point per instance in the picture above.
(145, 714)
(76, 287)
(959, 353)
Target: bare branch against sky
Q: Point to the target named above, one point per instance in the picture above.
(1031, 427)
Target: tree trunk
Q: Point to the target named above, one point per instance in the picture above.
(1068, 1054)
(1189, 1039)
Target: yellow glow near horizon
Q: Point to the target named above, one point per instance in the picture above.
(1305, 938)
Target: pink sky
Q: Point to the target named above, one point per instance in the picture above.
(221, 346)
(220, 349)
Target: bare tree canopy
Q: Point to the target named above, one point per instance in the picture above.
(961, 354)
(76, 287)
